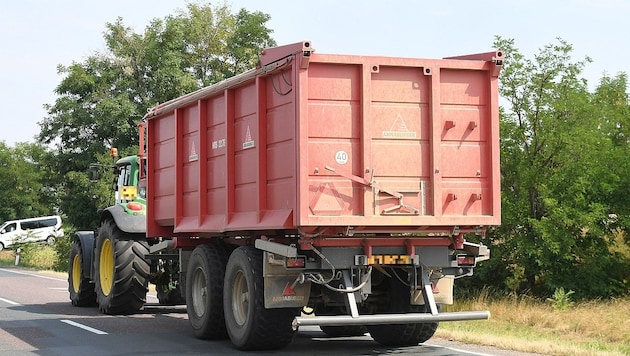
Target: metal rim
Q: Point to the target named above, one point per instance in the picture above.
(76, 273)
(240, 298)
(199, 292)
(106, 267)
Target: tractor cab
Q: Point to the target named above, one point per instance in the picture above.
(129, 193)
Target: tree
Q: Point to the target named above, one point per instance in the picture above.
(102, 99)
(24, 193)
(556, 179)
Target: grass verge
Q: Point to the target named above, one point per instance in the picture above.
(37, 256)
(525, 324)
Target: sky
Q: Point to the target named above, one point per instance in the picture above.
(38, 35)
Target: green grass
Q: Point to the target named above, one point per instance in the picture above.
(37, 256)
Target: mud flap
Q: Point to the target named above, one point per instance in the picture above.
(442, 292)
(284, 288)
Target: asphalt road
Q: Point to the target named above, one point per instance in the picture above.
(37, 318)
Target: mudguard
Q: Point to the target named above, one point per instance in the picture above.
(133, 224)
(86, 238)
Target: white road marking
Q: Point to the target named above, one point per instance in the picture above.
(32, 275)
(457, 350)
(9, 301)
(84, 327)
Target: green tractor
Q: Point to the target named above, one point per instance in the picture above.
(112, 267)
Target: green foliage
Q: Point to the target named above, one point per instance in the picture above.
(62, 248)
(561, 300)
(561, 170)
(39, 256)
(83, 198)
(23, 174)
(34, 254)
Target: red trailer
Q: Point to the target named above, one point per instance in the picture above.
(336, 185)
(330, 145)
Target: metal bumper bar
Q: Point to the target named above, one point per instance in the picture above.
(389, 318)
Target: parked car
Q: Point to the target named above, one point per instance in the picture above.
(45, 228)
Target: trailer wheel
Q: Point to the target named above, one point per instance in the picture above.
(204, 291)
(401, 334)
(121, 271)
(81, 290)
(249, 324)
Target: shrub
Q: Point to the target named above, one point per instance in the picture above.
(63, 246)
(34, 254)
(561, 300)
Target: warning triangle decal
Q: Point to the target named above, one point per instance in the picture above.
(193, 153)
(399, 124)
(288, 290)
(249, 143)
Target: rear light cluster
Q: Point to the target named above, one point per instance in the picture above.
(295, 262)
(466, 261)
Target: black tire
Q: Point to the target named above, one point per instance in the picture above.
(204, 291)
(121, 272)
(344, 330)
(251, 326)
(81, 289)
(401, 334)
(50, 240)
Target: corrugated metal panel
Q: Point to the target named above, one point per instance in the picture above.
(336, 141)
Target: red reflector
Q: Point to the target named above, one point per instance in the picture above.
(288, 290)
(463, 260)
(135, 206)
(295, 262)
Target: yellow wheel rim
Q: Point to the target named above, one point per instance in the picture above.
(106, 267)
(76, 273)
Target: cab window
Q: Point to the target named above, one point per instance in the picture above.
(9, 228)
(124, 175)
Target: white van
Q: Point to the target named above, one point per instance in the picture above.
(45, 228)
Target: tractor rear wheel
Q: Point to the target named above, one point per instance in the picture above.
(121, 272)
(81, 289)
(249, 324)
